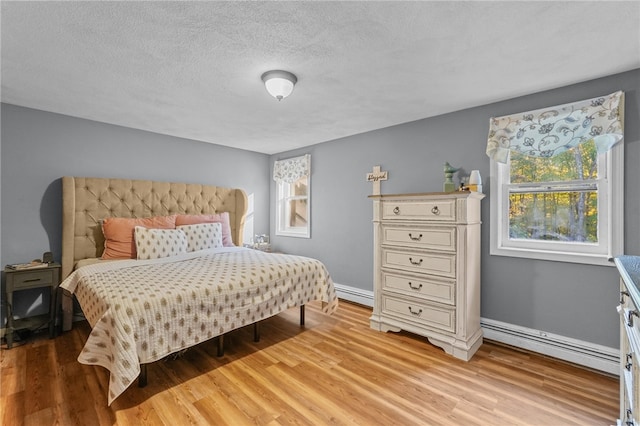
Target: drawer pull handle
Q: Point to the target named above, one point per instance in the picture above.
(32, 280)
(396, 210)
(418, 263)
(416, 313)
(628, 362)
(622, 295)
(418, 238)
(435, 210)
(630, 318)
(415, 288)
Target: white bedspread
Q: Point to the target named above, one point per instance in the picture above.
(141, 311)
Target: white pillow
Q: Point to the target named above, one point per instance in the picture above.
(158, 243)
(202, 236)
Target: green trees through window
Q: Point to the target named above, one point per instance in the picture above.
(555, 198)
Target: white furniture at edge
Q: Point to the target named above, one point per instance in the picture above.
(427, 268)
(629, 268)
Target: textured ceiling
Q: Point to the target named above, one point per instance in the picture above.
(192, 69)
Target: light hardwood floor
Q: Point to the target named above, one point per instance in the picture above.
(335, 370)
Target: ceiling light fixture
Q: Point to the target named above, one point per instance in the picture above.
(279, 83)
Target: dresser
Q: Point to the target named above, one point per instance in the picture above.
(629, 268)
(427, 268)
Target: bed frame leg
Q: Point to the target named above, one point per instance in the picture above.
(221, 345)
(256, 331)
(142, 378)
(301, 315)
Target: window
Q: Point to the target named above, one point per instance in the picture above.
(293, 208)
(565, 208)
(555, 199)
(293, 203)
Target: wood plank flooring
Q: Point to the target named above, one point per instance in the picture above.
(335, 370)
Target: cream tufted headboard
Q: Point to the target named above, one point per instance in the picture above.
(86, 201)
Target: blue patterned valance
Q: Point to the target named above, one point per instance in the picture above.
(550, 131)
(292, 169)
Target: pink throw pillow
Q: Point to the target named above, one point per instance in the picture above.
(119, 241)
(221, 218)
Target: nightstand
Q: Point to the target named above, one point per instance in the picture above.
(24, 279)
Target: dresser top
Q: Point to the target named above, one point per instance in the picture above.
(454, 194)
(629, 268)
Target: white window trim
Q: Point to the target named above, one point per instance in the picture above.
(281, 213)
(550, 250)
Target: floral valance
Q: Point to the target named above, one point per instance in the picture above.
(550, 131)
(292, 169)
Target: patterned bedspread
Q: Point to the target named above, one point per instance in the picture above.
(143, 310)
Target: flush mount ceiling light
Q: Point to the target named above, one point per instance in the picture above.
(279, 83)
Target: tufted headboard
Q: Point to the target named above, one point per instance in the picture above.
(86, 201)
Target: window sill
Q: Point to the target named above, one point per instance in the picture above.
(293, 234)
(555, 256)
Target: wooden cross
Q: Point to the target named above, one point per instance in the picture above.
(376, 176)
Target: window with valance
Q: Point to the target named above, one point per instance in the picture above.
(293, 201)
(557, 181)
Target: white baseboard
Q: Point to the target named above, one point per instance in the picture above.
(354, 294)
(579, 352)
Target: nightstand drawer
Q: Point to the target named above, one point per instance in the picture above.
(31, 279)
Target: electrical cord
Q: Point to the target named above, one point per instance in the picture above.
(21, 335)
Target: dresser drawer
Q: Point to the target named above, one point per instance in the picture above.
(434, 290)
(420, 313)
(431, 210)
(429, 238)
(629, 374)
(441, 264)
(30, 279)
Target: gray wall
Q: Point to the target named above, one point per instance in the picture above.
(38, 148)
(572, 300)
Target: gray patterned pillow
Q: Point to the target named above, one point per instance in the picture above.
(158, 243)
(202, 236)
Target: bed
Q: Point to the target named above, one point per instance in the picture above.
(143, 310)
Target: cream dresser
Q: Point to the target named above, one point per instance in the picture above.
(629, 268)
(427, 268)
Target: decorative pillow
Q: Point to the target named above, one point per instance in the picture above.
(119, 242)
(159, 243)
(202, 236)
(221, 218)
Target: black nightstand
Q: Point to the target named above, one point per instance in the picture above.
(23, 279)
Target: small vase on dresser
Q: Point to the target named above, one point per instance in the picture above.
(427, 268)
